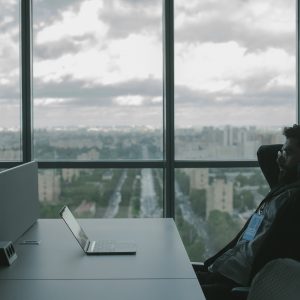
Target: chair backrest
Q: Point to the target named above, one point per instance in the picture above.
(278, 280)
(266, 156)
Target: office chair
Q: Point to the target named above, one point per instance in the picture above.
(266, 156)
(278, 279)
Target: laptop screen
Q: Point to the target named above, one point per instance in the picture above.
(74, 226)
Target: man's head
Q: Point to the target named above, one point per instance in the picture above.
(289, 157)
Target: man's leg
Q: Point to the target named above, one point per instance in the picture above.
(215, 286)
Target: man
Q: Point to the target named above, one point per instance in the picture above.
(273, 230)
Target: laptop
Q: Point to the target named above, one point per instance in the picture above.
(94, 247)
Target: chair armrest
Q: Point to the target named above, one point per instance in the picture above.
(198, 266)
(240, 293)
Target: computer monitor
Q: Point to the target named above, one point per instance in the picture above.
(19, 206)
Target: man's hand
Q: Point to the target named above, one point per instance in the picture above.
(281, 158)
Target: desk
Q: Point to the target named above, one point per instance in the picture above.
(59, 269)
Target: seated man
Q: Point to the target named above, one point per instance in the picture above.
(273, 230)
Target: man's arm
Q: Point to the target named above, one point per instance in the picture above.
(283, 238)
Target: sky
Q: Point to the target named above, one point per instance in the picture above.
(99, 63)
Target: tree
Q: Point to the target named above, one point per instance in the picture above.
(221, 228)
(243, 201)
(183, 181)
(198, 202)
(257, 179)
(241, 180)
(196, 250)
(193, 243)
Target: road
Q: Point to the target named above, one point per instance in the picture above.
(190, 217)
(116, 198)
(149, 205)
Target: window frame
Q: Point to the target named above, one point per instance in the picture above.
(168, 163)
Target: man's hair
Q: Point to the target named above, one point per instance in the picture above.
(292, 132)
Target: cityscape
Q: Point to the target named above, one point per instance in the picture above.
(211, 203)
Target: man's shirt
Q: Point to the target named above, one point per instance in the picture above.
(236, 263)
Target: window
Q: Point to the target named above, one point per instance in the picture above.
(127, 120)
(10, 118)
(206, 218)
(102, 193)
(235, 89)
(97, 80)
(235, 76)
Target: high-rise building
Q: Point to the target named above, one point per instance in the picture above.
(199, 178)
(70, 174)
(49, 186)
(219, 196)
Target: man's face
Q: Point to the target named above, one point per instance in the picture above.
(289, 158)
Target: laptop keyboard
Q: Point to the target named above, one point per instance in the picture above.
(104, 246)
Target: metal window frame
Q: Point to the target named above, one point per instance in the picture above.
(297, 61)
(168, 83)
(168, 163)
(26, 78)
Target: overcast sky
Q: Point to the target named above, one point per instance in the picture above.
(99, 62)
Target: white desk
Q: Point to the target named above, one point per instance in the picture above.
(59, 269)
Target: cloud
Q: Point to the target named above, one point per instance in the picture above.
(136, 100)
(46, 13)
(10, 94)
(84, 94)
(122, 17)
(255, 25)
(220, 31)
(148, 92)
(98, 116)
(281, 96)
(9, 46)
(132, 17)
(67, 45)
(257, 88)
(236, 61)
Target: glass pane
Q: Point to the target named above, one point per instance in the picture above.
(212, 205)
(85, 144)
(102, 193)
(97, 79)
(10, 125)
(235, 76)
